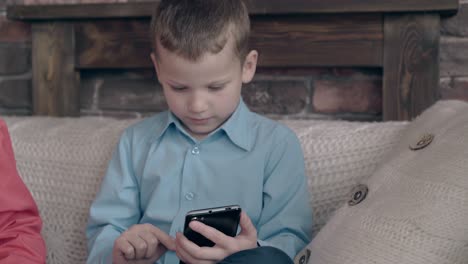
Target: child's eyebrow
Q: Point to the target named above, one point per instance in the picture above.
(219, 82)
(174, 83)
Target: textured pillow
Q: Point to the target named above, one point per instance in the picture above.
(338, 155)
(62, 161)
(414, 208)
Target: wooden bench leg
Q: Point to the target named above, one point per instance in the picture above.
(55, 81)
(411, 64)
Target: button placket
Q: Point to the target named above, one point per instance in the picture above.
(187, 194)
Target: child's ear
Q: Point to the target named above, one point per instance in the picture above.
(250, 66)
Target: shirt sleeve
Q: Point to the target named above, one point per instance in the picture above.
(20, 223)
(286, 218)
(116, 206)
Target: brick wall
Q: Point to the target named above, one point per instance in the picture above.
(15, 66)
(349, 93)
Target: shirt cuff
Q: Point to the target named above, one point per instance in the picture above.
(262, 243)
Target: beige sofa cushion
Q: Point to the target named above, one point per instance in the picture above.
(62, 161)
(338, 155)
(416, 208)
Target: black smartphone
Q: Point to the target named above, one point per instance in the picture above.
(225, 219)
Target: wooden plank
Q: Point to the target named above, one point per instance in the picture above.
(411, 64)
(256, 7)
(284, 41)
(55, 82)
(352, 6)
(332, 40)
(113, 44)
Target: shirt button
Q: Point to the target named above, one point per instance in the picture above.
(195, 151)
(189, 196)
(358, 194)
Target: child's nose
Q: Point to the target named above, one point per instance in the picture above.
(197, 104)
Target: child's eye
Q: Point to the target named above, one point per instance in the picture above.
(216, 87)
(178, 88)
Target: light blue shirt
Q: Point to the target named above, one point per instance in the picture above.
(158, 173)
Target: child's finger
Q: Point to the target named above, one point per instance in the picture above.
(189, 252)
(152, 243)
(125, 248)
(209, 232)
(139, 245)
(247, 227)
(181, 253)
(163, 238)
(216, 253)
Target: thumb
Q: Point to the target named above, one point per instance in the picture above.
(247, 227)
(118, 257)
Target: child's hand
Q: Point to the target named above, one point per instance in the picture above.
(190, 253)
(141, 244)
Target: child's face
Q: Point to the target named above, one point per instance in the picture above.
(203, 94)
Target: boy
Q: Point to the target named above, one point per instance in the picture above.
(20, 223)
(209, 150)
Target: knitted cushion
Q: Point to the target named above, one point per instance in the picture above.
(338, 155)
(416, 208)
(62, 161)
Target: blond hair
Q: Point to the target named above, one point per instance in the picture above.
(191, 28)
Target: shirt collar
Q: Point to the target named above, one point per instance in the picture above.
(237, 127)
(167, 120)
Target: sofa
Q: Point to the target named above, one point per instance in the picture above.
(62, 161)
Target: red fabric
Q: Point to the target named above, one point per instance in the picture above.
(20, 223)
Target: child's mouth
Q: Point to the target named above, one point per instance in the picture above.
(199, 121)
